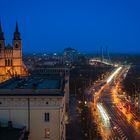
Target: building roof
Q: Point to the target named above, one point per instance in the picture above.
(50, 86)
(10, 133)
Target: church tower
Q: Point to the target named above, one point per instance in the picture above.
(17, 51)
(11, 57)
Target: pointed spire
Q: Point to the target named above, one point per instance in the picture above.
(16, 27)
(16, 33)
(1, 32)
(0, 27)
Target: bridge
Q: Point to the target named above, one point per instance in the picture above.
(103, 59)
(94, 61)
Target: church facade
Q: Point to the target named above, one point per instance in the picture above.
(11, 63)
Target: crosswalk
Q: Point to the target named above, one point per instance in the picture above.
(118, 132)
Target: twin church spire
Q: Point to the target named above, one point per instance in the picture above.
(0, 28)
(1, 33)
(16, 33)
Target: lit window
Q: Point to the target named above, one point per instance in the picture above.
(47, 117)
(47, 133)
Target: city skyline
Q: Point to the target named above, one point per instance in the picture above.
(51, 26)
(69, 70)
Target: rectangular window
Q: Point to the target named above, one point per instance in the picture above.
(47, 117)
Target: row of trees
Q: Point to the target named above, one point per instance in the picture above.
(81, 78)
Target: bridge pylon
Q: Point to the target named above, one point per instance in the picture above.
(102, 54)
(108, 55)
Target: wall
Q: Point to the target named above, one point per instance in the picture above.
(29, 112)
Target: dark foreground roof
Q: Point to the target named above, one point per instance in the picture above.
(12, 134)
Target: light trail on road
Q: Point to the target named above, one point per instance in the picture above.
(104, 115)
(113, 74)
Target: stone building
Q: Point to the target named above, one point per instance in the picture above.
(36, 103)
(11, 56)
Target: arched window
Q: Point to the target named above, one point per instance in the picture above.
(11, 62)
(5, 62)
(16, 46)
(8, 62)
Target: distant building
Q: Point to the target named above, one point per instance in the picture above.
(70, 56)
(38, 103)
(11, 57)
(33, 61)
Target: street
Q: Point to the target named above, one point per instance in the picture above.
(114, 120)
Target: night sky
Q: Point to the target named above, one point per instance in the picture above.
(52, 25)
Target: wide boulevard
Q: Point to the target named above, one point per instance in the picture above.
(111, 110)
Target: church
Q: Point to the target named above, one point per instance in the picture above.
(11, 63)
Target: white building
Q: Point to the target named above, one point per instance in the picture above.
(36, 103)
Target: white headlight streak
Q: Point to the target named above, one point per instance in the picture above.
(113, 74)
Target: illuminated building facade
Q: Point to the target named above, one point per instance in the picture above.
(36, 103)
(11, 57)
